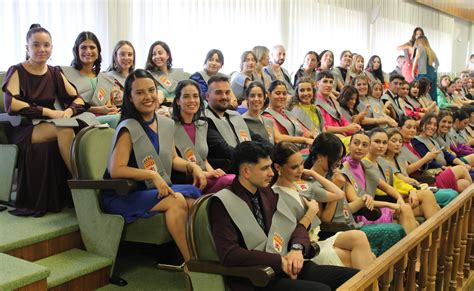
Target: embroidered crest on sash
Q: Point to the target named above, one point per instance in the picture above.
(149, 164)
(346, 212)
(277, 242)
(189, 154)
(301, 185)
(269, 132)
(165, 81)
(101, 94)
(243, 135)
(116, 96)
(387, 174)
(376, 109)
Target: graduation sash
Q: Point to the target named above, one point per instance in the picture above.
(296, 208)
(286, 77)
(279, 235)
(305, 119)
(335, 111)
(371, 178)
(223, 127)
(193, 152)
(145, 153)
(97, 96)
(432, 145)
(291, 124)
(262, 126)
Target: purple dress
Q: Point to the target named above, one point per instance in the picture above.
(42, 174)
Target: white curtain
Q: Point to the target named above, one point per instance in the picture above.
(64, 19)
(327, 24)
(193, 27)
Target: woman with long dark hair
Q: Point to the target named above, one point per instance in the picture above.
(325, 156)
(159, 63)
(191, 133)
(409, 51)
(346, 248)
(143, 151)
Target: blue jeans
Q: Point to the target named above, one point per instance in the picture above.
(430, 74)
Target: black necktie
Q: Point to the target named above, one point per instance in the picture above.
(257, 211)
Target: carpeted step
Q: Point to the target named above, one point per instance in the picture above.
(73, 264)
(17, 232)
(16, 273)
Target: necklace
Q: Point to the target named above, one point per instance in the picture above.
(151, 121)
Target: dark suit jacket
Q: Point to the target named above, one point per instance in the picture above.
(230, 244)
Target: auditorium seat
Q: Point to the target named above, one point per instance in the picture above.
(102, 232)
(8, 152)
(204, 268)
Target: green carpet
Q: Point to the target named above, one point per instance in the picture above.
(140, 271)
(72, 264)
(16, 232)
(16, 273)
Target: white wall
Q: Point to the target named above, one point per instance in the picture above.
(462, 38)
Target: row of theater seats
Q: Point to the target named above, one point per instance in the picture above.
(102, 232)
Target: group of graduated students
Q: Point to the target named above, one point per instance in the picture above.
(299, 184)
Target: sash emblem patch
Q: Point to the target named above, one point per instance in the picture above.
(244, 136)
(301, 185)
(165, 81)
(189, 154)
(149, 164)
(101, 94)
(277, 242)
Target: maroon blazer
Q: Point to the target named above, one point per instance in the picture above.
(230, 244)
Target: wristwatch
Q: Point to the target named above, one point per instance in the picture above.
(297, 247)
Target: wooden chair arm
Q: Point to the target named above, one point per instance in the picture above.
(121, 186)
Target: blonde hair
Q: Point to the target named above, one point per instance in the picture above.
(423, 41)
(355, 58)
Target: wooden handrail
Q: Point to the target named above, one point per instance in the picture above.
(430, 230)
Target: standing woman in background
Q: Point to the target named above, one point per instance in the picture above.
(409, 51)
(159, 63)
(212, 65)
(31, 89)
(425, 63)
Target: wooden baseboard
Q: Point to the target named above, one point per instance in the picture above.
(87, 282)
(48, 247)
(36, 286)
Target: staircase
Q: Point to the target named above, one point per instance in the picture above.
(47, 253)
